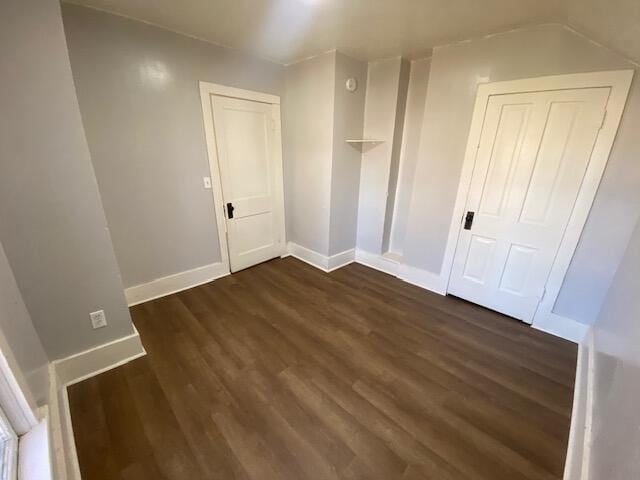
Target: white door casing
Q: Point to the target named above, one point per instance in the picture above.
(532, 157)
(245, 157)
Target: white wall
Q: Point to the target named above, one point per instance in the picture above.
(322, 172)
(615, 23)
(138, 91)
(307, 126)
(52, 225)
(396, 151)
(19, 341)
(615, 447)
(455, 73)
(383, 80)
(416, 95)
(348, 120)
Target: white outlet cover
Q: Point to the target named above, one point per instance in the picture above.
(207, 182)
(98, 319)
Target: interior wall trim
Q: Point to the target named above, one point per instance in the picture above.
(579, 446)
(423, 278)
(563, 327)
(74, 369)
(323, 262)
(554, 324)
(177, 282)
(96, 360)
(377, 261)
(57, 443)
(14, 402)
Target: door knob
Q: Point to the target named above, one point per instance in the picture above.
(468, 220)
(230, 209)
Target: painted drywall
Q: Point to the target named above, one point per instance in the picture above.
(456, 71)
(52, 225)
(139, 97)
(615, 23)
(396, 151)
(416, 95)
(381, 101)
(291, 30)
(307, 125)
(615, 437)
(19, 341)
(348, 123)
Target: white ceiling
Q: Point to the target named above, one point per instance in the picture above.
(289, 30)
(614, 23)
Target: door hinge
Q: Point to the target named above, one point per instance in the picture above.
(604, 118)
(544, 293)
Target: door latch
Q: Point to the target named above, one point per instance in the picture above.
(468, 220)
(230, 209)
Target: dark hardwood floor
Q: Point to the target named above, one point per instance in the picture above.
(284, 372)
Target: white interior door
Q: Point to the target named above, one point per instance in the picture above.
(531, 160)
(251, 178)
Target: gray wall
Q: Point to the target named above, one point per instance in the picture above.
(455, 73)
(348, 118)
(612, 22)
(308, 149)
(19, 341)
(52, 224)
(381, 103)
(138, 91)
(322, 172)
(396, 151)
(416, 94)
(615, 450)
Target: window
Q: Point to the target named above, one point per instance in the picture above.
(16, 416)
(8, 449)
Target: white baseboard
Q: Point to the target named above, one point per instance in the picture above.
(83, 365)
(71, 370)
(562, 327)
(161, 287)
(323, 262)
(309, 256)
(554, 324)
(377, 261)
(415, 276)
(579, 447)
(341, 259)
(422, 278)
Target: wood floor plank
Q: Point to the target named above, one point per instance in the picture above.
(282, 371)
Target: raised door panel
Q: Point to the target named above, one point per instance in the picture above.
(531, 161)
(244, 137)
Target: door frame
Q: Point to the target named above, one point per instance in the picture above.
(619, 81)
(206, 91)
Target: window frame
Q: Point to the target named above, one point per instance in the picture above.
(9, 459)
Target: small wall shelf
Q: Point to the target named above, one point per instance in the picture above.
(364, 140)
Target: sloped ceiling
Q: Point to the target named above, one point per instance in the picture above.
(289, 30)
(614, 23)
(286, 31)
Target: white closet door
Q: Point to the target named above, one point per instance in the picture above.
(530, 164)
(245, 139)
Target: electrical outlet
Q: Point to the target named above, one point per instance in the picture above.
(207, 182)
(98, 319)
